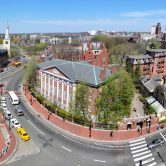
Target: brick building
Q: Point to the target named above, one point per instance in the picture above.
(152, 63)
(58, 80)
(95, 53)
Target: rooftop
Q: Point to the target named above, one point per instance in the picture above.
(77, 71)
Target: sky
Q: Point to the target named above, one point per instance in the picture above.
(44, 16)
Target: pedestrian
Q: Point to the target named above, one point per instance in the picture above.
(111, 133)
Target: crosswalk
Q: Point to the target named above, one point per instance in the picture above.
(141, 152)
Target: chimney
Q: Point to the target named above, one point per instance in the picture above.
(103, 74)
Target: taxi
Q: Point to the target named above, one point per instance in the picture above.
(23, 134)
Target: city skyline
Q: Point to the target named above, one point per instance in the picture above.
(29, 16)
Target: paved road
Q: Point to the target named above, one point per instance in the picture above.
(53, 148)
(57, 149)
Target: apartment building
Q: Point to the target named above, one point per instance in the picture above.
(152, 63)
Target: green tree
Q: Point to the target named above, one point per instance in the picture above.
(115, 98)
(30, 73)
(136, 74)
(81, 99)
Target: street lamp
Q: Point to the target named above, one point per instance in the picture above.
(90, 128)
(31, 99)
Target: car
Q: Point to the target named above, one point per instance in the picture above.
(18, 111)
(8, 114)
(3, 100)
(4, 106)
(23, 134)
(15, 123)
(155, 142)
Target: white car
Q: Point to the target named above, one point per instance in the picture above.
(8, 114)
(3, 100)
(4, 106)
(15, 123)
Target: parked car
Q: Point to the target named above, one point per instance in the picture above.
(15, 123)
(18, 111)
(23, 134)
(4, 106)
(155, 142)
(8, 114)
(3, 100)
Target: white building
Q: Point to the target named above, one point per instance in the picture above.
(6, 41)
(153, 30)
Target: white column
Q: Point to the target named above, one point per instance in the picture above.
(45, 85)
(49, 87)
(53, 84)
(62, 91)
(41, 82)
(68, 96)
(57, 89)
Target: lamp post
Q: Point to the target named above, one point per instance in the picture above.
(90, 128)
(31, 99)
(24, 88)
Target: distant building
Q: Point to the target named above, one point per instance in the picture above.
(6, 41)
(156, 29)
(151, 64)
(58, 79)
(95, 53)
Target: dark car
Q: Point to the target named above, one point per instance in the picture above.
(155, 142)
(18, 111)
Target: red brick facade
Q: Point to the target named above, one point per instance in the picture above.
(151, 64)
(96, 56)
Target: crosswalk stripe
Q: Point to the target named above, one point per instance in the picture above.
(139, 150)
(145, 162)
(138, 143)
(134, 141)
(143, 157)
(154, 163)
(138, 147)
(139, 154)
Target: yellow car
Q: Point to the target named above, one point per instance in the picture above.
(23, 134)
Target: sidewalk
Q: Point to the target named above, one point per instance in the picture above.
(82, 131)
(8, 142)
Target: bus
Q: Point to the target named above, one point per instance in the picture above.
(13, 97)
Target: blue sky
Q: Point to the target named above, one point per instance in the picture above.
(81, 15)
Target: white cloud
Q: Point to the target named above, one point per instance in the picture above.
(160, 12)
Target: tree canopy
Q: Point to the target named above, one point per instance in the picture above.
(115, 98)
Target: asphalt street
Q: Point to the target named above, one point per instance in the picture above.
(61, 149)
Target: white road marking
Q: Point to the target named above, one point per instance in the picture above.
(145, 162)
(143, 157)
(139, 150)
(134, 141)
(35, 127)
(138, 143)
(139, 154)
(138, 147)
(66, 149)
(163, 136)
(101, 161)
(154, 163)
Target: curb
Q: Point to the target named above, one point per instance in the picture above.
(68, 134)
(13, 152)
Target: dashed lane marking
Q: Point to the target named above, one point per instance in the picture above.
(66, 149)
(35, 127)
(101, 161)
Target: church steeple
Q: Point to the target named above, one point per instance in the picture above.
(7, 32)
